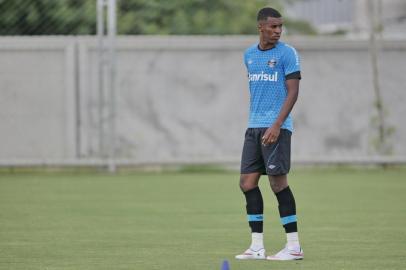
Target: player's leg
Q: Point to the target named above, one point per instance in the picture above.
(251, 170)
(255, 210)
(278, 166)
(287, 213)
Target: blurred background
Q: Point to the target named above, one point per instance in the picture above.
(151, 83)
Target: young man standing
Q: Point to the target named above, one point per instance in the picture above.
(273, 74)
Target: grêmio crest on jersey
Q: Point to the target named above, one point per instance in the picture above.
(272, 63)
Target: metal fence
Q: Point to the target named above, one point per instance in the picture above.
(79, 17)
(165, 100)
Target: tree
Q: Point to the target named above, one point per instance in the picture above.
(47, 17)
(212, 17)
(136, 17)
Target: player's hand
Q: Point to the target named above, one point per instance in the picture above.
(271, 135)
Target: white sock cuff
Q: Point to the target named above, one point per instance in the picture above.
(292, 236)
(293, 240)
(257, 242)
(257, 236)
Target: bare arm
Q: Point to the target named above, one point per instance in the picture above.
(272, 133)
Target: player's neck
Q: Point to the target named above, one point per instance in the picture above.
(264, 45)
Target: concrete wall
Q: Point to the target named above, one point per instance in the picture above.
(37, 98)
(186, 98)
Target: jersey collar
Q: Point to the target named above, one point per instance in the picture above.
(259, 48)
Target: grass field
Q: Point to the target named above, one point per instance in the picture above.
(348, 219)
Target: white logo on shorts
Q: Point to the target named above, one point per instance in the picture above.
(271, 166)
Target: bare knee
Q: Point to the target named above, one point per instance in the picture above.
(245, 185)
(248, 182)
(278, 183)
(276, 187)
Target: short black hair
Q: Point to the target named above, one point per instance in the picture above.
(266, 12)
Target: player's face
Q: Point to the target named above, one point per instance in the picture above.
(271, 29)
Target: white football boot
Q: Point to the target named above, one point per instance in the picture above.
(287, 255)
(250, 254)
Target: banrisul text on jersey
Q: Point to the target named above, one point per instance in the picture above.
(263, 77)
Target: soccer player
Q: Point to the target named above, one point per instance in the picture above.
(273, 74)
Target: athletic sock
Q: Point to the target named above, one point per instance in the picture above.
(287, 213)
(287, 210)
(293, 241)
(255, 209)
(257, 241)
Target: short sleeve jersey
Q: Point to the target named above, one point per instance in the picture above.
(267, 71)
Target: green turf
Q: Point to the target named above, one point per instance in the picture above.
(348, 219)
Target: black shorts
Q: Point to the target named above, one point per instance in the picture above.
(273, 159)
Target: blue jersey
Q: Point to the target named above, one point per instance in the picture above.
(266, 74)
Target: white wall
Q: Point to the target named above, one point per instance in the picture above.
(37, 98)
(186, 98)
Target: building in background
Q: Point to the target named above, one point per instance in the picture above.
(350, 16)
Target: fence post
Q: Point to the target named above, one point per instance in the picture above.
(107, 80)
